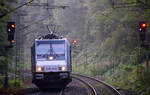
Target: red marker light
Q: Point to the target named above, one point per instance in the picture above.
(74, 42)
(13, 25)
(13, 41)
(143, 24)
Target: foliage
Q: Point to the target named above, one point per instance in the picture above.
(15, 83)
(5, 54)
(115, 52)
(142, 86)
(1, 81)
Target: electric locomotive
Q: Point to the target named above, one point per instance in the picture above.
(51, 62)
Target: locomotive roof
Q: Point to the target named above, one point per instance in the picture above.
(50, 39)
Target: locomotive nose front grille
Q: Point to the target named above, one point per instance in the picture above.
(52, 76)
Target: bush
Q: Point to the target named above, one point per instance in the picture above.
(1, 81)
(14, 83)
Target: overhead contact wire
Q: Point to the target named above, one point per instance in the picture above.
(13, 10)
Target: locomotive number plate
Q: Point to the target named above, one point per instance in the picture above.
(51, 68)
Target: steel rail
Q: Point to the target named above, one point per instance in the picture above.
(62, 92)
(100, 81)
(86, 83)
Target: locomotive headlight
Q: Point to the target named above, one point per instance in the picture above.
(50, 57)
(62, 68)
(39, 68)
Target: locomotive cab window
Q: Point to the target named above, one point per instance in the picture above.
(50, 50)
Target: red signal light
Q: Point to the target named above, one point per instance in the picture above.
(74, 42)
(13, 41)
(13, 25)
(143, 24)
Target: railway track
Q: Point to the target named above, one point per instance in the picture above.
(83, 88)
(91, 86)
(62, 92)
(101, 87)
(91, 89)
(39, 92)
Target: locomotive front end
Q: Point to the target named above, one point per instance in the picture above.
(52, 65)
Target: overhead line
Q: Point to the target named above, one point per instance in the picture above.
(5, 14)
(36, 22)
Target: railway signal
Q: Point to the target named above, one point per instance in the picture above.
(142, 30)
(143, 26)
(11, 31)
(74, 42)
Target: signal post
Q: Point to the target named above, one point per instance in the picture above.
(10, 37)
(143, 45)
